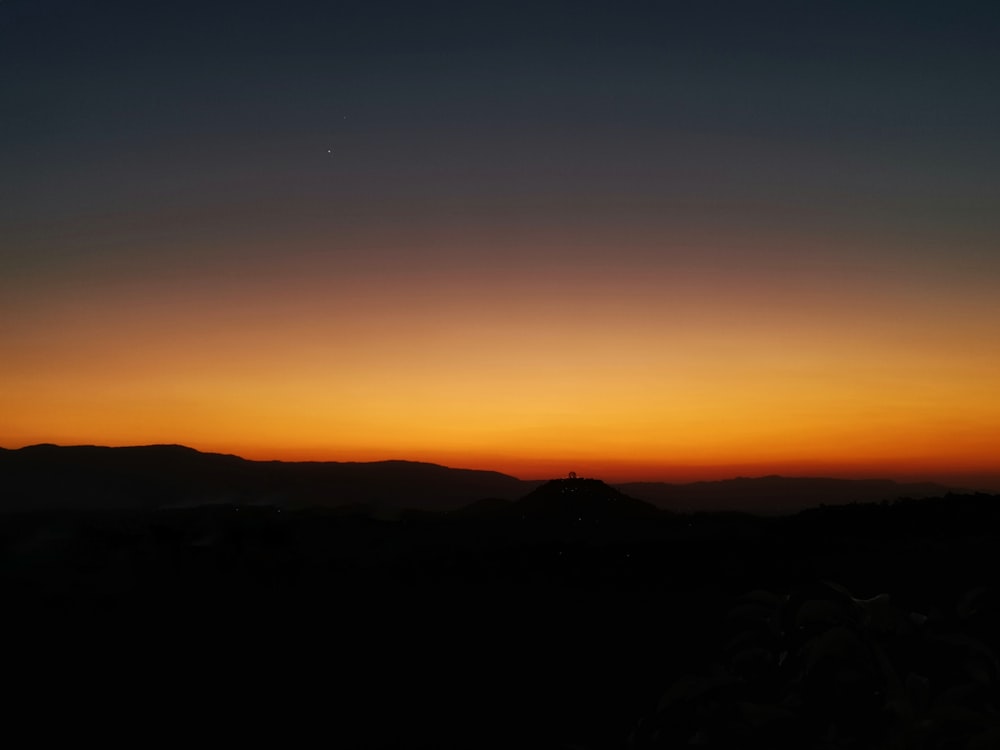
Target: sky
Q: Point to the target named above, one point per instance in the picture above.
(636, 240)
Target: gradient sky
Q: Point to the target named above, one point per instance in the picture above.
(638, 240)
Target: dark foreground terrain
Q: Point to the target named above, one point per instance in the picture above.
(574, 618)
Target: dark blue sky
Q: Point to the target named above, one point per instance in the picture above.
(883, 110)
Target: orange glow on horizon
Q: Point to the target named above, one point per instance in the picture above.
(683, 374)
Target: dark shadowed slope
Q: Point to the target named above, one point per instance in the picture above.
(581, 500)
(91, 477)
(774, 494)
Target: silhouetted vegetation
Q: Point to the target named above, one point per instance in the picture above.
(574, 616)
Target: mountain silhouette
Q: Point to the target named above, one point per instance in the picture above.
(623, 625)
(581, 501)
(50, 477)
(776, 494)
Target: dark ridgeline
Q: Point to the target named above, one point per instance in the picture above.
(158, 476)
(162, 476)
(283, 600)
(776, 494)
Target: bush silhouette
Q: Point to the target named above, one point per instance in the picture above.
(818, 667)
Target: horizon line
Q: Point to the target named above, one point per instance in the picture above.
(714, 468)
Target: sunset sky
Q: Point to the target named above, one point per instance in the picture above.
(637, 240)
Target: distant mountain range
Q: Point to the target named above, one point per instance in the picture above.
(50, 477)
(775, 494)
(155, 476)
